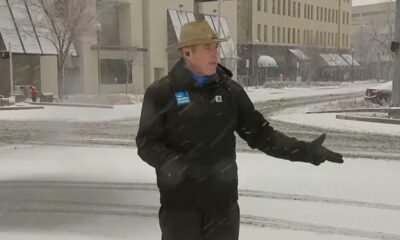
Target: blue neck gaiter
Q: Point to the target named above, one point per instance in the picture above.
(201, 80)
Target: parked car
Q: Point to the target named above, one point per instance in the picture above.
(380, 94)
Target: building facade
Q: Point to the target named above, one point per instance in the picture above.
(125, 49)
(277, 28)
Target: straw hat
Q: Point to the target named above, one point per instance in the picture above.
(194, 33)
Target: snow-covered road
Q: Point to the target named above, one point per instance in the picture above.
(108, 193)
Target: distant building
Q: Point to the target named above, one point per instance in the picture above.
(294, 33)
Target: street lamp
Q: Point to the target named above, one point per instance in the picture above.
(352, 64)
(98, 28)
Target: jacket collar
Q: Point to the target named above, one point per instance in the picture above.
(182, 78)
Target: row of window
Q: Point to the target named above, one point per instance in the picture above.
(293, 9)
(282, 35)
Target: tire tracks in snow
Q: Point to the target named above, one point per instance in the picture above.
(128, 210)
(153, 187)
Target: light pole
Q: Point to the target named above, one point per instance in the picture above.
(352, 64)
(11, 71)
(396, 71)
(98, 31)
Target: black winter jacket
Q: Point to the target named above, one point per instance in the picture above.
(180, 120)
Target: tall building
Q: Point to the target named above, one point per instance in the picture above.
(373, 28)
(291, 34)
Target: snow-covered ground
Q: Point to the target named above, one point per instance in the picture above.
(78, 193)
(329, 121)
(96, 193)
(133, 111)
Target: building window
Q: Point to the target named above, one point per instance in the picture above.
(289, 32)
(324, 39)
(279, 35)
(273, 6)
(347, 18)
(317, 38)
(321, 39)
(283, 35)
(284, 8)
(329, 39)
(279, 7)
(305, 10)
(298, 9)
(329, 15)
(304, 37)
(265, 33)
(289, 10)
(294, 9)
(273, 34)
(347, 40)
(317, 13)
(259, 5)
(321, 16)
(259, 32)
(325, 15)
(312, 12)
(294, 36)
(337, 17)
(265, 5)
(114, 71)
(344, 16)
(298, 36)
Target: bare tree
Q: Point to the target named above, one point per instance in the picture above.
(383, 33)
(68, 22)
(133, 57)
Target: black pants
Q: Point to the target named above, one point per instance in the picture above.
(196, 224)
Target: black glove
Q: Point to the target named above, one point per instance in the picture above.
(319, 154)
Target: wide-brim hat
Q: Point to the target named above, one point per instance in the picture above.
(195, 33)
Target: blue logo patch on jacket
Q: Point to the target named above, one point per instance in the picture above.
(182, 98)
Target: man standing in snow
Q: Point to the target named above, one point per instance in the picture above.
(186, 133)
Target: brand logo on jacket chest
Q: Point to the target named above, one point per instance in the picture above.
(218, 98)
(182, 98)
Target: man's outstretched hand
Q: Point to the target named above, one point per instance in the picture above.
(320, 154)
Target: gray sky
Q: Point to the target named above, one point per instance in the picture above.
(364, 2)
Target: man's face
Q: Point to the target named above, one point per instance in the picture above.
(202, 59)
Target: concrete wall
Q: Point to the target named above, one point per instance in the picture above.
(49, 74)
(155, 35)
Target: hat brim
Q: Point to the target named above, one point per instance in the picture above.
(181, 45)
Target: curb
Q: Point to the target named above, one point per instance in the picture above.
(352, 110)
(73, 105)
(21, 108)
(367, 119)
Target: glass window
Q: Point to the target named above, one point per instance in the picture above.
(266, 6)
(265, 33)
(115, 71)
(273, 34)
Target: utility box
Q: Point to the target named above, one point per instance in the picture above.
(46, 97)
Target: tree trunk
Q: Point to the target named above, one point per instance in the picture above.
(61, 80)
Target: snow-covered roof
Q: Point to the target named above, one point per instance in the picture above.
(23, 25)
